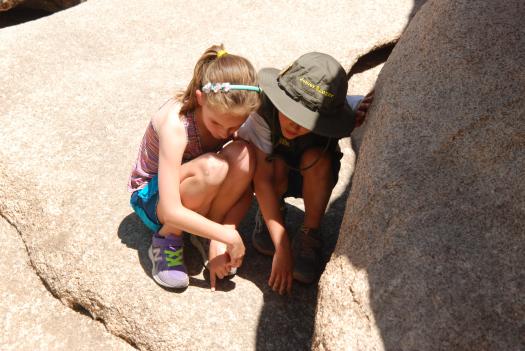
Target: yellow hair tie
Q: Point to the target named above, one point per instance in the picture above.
(221, 53)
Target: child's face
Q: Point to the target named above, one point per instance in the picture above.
(290, 129)
(221, 124)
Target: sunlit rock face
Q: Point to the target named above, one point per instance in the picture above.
(77, 91)
(430, 253)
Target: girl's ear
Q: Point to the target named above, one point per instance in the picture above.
(200, 97)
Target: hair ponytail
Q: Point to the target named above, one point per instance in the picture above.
(215, 68)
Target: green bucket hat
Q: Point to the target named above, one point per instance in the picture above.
(312, 93)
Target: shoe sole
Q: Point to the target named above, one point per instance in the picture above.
(158, 280)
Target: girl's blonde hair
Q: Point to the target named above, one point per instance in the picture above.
(223, 68)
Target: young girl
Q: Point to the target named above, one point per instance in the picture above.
(303, 114)
(185, 179)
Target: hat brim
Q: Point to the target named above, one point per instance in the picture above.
(336, 125)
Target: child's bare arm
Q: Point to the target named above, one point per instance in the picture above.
(362, 109)
(281, 275)
(172, 142)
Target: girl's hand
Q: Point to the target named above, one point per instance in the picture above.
(236, 250)
(219, 263)
(281, 277)
(362, 109)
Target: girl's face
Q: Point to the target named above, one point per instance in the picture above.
(221, 125)
(290, 129)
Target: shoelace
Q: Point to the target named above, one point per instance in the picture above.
(174, 258)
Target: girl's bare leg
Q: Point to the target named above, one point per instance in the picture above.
(231, 201)
(201, 179)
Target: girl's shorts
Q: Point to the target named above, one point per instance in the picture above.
(144, 202)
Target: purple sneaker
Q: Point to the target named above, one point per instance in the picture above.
(166, 254)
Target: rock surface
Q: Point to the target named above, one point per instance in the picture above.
(79, 90)
(31, 318)
(430, 255)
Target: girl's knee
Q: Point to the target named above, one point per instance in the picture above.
(212, 169)
(240, 156)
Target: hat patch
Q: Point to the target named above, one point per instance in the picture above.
(316, 87)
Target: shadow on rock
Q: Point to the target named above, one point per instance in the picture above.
(135, 235)
(287, 322)
(284, 320)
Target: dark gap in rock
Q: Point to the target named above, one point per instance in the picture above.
(20, 15)
(75, 307)
(371, 59)
(131, 343)
(82, 310)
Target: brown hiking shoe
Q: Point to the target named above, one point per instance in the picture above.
(306, 249)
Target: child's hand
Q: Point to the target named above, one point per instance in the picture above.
(362, 109)
(237, 249)
(219, 263)
(281, 277)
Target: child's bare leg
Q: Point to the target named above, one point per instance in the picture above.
(201, 179)
(280, 173)
(232, 200)
(238, 211)
(241, 166)
(318, 183)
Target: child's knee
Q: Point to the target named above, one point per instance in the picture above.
(213, 170)
(240, 156)
(314, 160)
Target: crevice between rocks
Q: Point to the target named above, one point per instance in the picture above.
(372, 59)
(19, 15)
(76, 306)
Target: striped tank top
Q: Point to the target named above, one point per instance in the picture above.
(147, 163)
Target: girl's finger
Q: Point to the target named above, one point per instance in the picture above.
(236, 262)
(212, 279)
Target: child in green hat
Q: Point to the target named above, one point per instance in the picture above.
(304, 112)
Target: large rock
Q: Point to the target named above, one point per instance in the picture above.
(77, 91)
(31, 318)
(431, 251)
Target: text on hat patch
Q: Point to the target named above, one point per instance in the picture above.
(316, 87)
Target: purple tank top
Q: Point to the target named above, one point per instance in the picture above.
(147, 163)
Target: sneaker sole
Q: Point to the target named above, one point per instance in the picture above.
(158, 280)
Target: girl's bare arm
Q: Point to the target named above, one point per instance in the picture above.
(172, 142)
